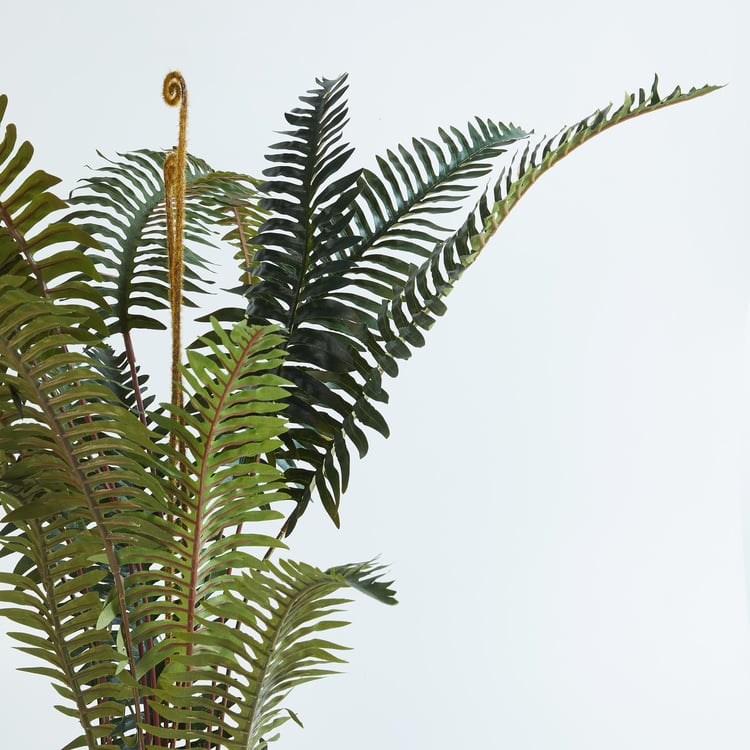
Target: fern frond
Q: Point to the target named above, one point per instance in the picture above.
(29, 235)
(195, 545)
(394, 218)
(335, 247)
(310, 207)
(57, 607)
(123, 206)
(413, 309)
(222, 479)
(395, 209)
(74, 474)
(282, 611)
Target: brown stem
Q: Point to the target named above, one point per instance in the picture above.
(130, 353)
(243, 245)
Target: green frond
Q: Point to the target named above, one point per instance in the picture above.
(396, 209)
(75, 472)
(57, 609)
(30, 236)
(222, 480)
(282, 612)
(311, 204)
(514, 183)
(122, 205)
(413, 309)
(221, 493)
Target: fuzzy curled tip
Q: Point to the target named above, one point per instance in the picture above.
(174, 90)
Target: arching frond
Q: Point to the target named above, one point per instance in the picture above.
(413, 309)
(396, 209)
(282, 612)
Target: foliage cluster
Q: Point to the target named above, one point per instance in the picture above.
(141, 532)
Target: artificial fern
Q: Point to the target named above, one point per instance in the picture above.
(139, 532)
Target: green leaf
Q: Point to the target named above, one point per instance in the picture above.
(123, 206)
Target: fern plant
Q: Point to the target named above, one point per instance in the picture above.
(141, 533)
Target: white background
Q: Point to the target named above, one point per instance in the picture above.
(561, 500)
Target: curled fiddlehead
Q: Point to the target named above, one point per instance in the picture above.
(175, 94)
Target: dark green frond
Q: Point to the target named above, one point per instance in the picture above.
(311, 201)
(308, 208)
(397, 209)
(332, 251)
(402, 320)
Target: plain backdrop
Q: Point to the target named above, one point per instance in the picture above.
(561, 500)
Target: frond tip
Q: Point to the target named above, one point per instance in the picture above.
(366, 578)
